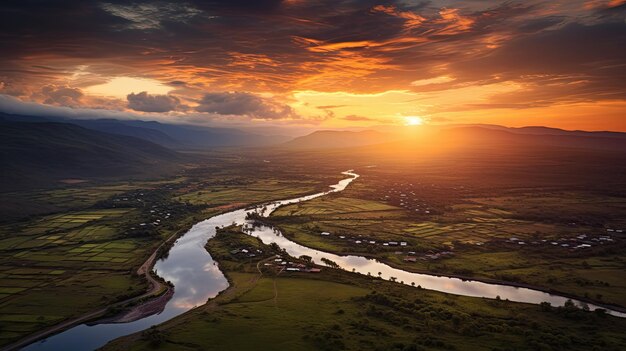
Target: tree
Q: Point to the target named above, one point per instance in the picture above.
(329, 263)
(154, 336)
(306, 258)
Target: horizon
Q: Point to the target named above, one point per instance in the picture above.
(301, 65)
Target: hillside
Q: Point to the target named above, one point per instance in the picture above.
(328, 139)
(38, 154)
(170, 135)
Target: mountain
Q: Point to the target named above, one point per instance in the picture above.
(40, 154)
(420, 139)
(332, 139)
(174, 136)
(536, 136)
(113, 126)
(540, 130)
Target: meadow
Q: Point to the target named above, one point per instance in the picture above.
(570, 241)
(337, 310)
(92, 238)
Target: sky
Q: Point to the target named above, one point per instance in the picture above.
(318, 64)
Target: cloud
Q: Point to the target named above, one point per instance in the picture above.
(554, 51)
(244, 104)
(151, 15)
(13, 105)
(356, 118)
(62, 96)
(152, 103)
(326, 107)
(432, 81)
(572, 63)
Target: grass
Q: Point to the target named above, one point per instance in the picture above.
(337, 310)
(80, 257)
(476, 230)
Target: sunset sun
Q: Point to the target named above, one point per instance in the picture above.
(413, 121)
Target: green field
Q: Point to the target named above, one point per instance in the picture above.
(337, 310)
(79, 256)
(477, 231)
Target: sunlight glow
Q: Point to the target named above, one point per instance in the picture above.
(413, 121)
(122, 86)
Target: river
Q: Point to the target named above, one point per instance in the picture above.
(197, 277)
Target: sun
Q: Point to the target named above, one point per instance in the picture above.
(413, 121)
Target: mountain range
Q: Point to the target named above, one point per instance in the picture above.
(41, 151)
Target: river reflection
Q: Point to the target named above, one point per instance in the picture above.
(197, 278)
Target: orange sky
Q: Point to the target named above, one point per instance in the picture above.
(322, 64)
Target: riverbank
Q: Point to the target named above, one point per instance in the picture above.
(487, 280)
(336, 309)
(157, 288)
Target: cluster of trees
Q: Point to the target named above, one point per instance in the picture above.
(329, 263)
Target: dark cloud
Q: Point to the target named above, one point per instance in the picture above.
(249, 5)
(559, 51)
(575, 62)
(244, 104)
(153, 103)
(63, 96)
(539, 24)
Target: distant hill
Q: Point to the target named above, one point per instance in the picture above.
(38, 154)
(176, 136)
(540, 130)
(330, 139)
(467, 137)
(536, 136)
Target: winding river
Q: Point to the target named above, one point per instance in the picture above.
(197, 277)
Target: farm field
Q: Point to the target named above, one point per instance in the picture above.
(512, 239)
(87, 250)
(335, 310)
(76, 256)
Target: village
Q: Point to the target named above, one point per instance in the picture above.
(410, 256)
(419, 198)
(156, 209)
(579, 242)
(276, 262)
